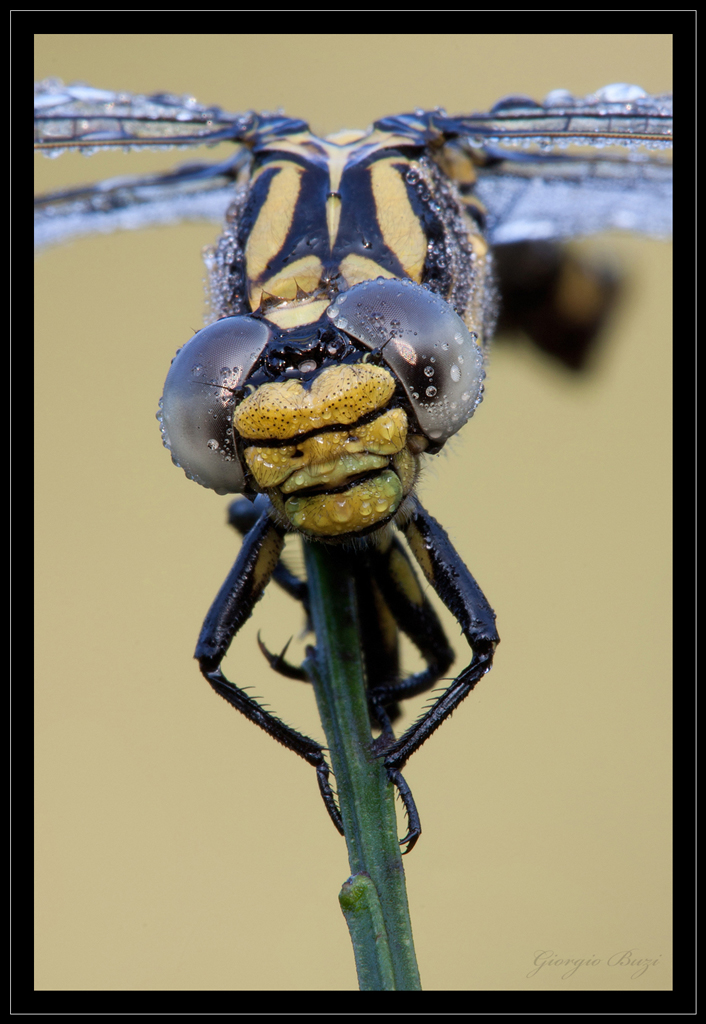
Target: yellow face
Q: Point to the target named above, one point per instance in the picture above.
(336, 459)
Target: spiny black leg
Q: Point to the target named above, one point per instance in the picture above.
(309, 750)
(378, 714)
(232, 607)
(242, 516)
(413, 822)
(397, 581)
(322, 774)
(463, 597)
(397, 755)
(379, 638)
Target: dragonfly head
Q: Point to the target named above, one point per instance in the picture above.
(327, 418)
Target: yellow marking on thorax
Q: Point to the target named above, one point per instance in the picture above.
(337, 158)
(345, 137)
(333, 218)
(474, 314)
(478, 242)
(306, 311)
(339, 395)
(399, 225)
(456, 163)
(304, 274)
(355, 269)
(274, 220)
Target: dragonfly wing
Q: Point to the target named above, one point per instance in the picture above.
(530, 202)
(574, 166)
(564, 167)
(80, 117)
(623, 115)
(193, 192)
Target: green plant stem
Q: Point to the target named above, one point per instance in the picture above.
(377, 913)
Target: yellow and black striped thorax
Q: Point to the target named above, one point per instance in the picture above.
(318, 216)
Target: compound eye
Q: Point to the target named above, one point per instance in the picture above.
(196, 410)
(428, 347)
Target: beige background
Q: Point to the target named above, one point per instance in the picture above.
(179, 847)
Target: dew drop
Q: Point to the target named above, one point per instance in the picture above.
(341, 511)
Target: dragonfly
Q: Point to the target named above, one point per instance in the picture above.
(354, 292)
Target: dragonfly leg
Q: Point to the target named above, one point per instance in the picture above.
(242, 516)
(454, 584)
(414, 829)
(232, 607)
(402, 593)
